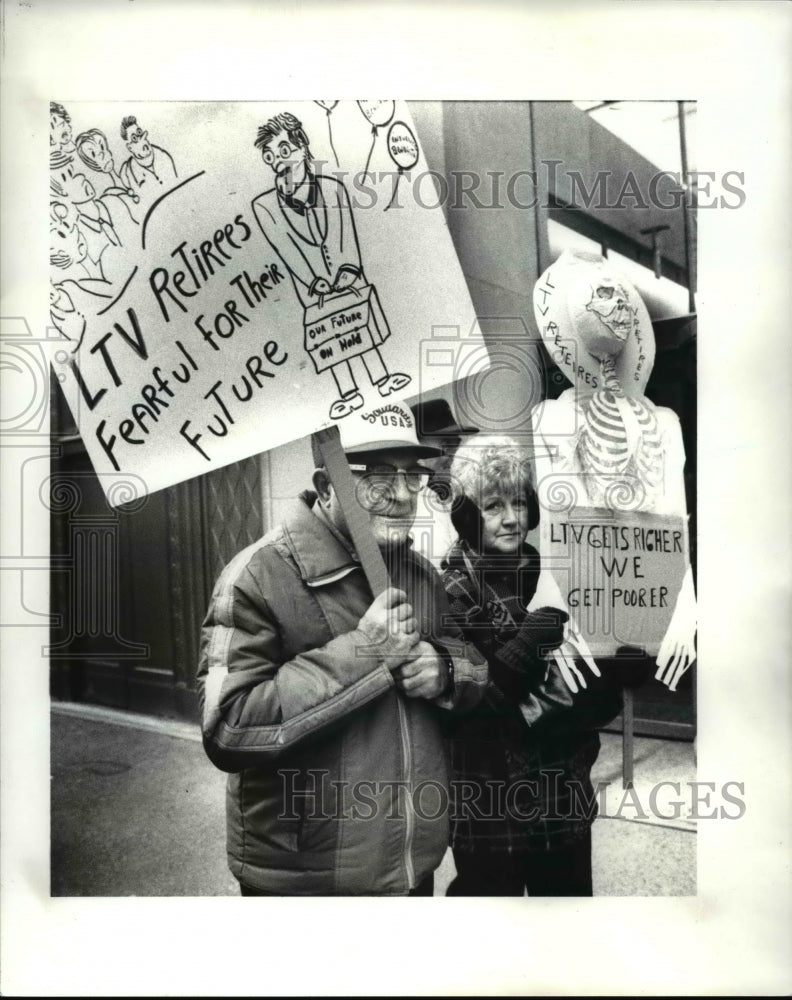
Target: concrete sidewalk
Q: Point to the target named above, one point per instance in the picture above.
(138, 810)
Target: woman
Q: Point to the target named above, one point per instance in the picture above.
(523, 800)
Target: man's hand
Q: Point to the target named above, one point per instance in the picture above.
(423, 676)
(346, 275)
(320, 286)
(390, 628)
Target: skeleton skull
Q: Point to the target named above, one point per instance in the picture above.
(610, 302)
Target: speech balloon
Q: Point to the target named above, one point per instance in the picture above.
(379, 113)
(402, 146)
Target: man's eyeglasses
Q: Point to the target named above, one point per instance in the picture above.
(282, 150)
(387, 475)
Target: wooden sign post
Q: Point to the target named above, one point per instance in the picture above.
(329, 442)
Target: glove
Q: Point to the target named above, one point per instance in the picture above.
(521, 660)
(543, 630)
(552, 709)
(631, 667)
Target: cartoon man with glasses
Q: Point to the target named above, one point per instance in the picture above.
(150, 169)
(308, 221)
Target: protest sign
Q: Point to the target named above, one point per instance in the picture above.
(619, 573)
(221, 289)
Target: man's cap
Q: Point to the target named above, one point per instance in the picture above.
(434, 418)
(388, 427)
(573, 305)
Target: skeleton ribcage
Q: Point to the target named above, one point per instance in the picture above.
(608, 447)
(604, 447)
(649, 452)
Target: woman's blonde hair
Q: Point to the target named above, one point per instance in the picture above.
(491, 463)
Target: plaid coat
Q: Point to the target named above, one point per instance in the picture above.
(518, 786)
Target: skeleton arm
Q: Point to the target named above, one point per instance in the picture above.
(678, 648)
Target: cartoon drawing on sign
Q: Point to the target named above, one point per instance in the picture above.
(190, 326)
(94, 151)
(61, 142)
(95, 224)
(378, 113)
(308, 221)
(614, 525)
(74, 276)
(149, 168)
(68, 248)
(84, 229)
(327, 106)
(93, 215)
(403, 148)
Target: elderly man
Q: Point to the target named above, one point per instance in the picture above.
(325, 704)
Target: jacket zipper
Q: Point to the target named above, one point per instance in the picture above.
(410, 818)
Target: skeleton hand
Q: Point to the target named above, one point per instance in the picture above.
(678, 649)
(574, 645)
(565, 660)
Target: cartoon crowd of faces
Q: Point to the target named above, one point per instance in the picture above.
(96, 210)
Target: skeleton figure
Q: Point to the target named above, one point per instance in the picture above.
(606, 435)
(620, 436)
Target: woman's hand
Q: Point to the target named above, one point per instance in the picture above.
(544, 629)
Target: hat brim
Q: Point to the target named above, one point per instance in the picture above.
(375, 447)
(450, 430)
